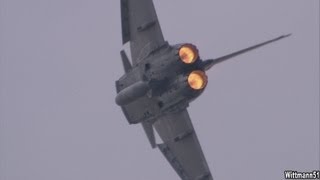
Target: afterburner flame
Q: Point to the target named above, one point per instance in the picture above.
(197, 80)
(188, 53)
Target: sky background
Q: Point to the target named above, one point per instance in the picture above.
(258, 116)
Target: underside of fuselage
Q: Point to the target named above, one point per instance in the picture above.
(162, 82)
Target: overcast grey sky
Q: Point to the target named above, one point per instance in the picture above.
(59, 59)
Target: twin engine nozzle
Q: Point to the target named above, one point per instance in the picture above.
(188, 53)
(196, 79)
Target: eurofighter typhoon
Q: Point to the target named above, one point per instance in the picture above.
(159, 82)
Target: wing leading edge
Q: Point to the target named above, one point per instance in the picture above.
(141, 27)
(181, 146)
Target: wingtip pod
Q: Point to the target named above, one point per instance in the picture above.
(125, 61)
(147, 126)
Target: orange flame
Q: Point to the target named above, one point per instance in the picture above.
(197, 80)
(188, 53)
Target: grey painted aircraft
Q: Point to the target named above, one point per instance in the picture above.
(159, 83)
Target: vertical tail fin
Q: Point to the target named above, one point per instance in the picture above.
(209, 63)
(125, 61)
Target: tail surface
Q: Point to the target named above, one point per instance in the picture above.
(210, 62)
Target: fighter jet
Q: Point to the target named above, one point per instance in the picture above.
(159, 83)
